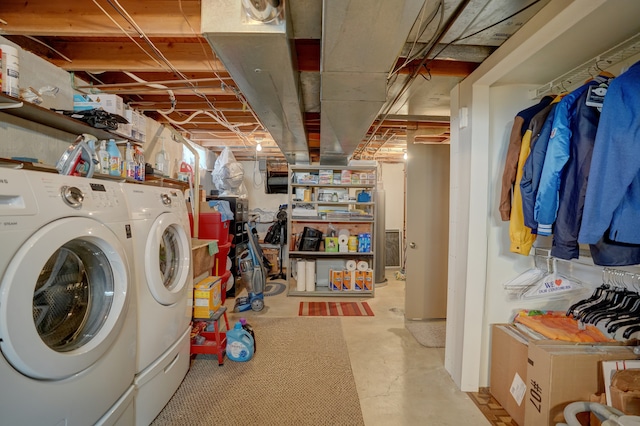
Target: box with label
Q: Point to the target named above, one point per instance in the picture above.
(345, 177)
(110, 103)
(125, 129)
(560, 374)
(325, 177)
(508, 369)
(207, 297)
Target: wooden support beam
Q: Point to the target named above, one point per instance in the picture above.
(157, 18)
(123, 55)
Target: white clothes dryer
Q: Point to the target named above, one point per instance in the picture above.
(67, 309)
(162, 255)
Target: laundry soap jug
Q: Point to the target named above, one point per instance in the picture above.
(239, 344)
(114, 158)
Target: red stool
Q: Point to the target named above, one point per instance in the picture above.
(215, 341)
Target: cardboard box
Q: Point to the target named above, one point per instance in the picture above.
(508, 370)
(203, 260)
(110, 103)
(207, 297)
(560, 374)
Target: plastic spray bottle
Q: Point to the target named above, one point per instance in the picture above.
(103, 157)
(114, 158)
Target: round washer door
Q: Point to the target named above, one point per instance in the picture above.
(167, 259)
(63, 299)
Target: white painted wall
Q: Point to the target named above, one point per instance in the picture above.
(393, 184)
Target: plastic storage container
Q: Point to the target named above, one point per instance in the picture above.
(220, 262)
(239, 344)
(211, 227)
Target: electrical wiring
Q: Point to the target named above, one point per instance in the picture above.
(420, 53)
(216, 114)
(256, 171)
(125, 32)
(479, 31)
(415, 40)
(172, 96)
(426, 62)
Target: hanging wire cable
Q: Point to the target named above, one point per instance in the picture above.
(418, 54)
(440, 35)
(216, 114)
(426, 61)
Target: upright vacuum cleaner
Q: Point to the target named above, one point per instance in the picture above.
(253, 272)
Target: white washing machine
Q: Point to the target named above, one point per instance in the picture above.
(67, 309)
(162, 255)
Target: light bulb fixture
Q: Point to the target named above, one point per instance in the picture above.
(259, 147)
(405, 155)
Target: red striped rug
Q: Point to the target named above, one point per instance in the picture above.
(335, 309)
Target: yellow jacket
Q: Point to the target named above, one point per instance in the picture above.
(521, 237)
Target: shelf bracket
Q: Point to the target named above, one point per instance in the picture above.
(7, 105)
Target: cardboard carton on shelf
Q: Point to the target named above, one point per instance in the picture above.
(207, 297)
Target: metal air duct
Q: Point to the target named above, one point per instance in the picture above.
(260, 57)
(361, 40)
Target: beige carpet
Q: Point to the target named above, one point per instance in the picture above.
(300, 375)
(428, 333)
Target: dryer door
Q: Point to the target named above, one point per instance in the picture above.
(63, 299)
(167, 259)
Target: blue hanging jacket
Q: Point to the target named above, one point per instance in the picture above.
(612, 202)
(557, 155)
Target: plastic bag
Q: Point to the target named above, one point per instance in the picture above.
(228, 175)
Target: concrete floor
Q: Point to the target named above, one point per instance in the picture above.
(399, 381)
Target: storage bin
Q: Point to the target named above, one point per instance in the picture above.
(211, 226)
(220, 262)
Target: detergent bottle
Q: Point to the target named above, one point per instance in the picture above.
(239, 344)
(114, 158)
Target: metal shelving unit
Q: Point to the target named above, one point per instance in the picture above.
(346, 213)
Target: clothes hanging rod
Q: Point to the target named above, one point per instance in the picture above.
(578, 75)
(585, 260)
